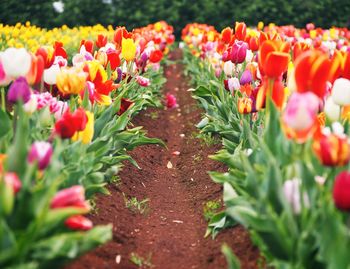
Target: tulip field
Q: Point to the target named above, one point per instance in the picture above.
(128, 149)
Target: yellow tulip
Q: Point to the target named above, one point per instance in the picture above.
(128, 49)
(71, 80)
(87, 134)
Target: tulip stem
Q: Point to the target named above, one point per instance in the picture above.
(15, 116)
(3, 102)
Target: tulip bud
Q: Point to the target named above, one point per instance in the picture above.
(171, 101)
(11, 179)
(301, 111)
(292, 193)
(125, 105)
(19, 90)
(40, 152)
(233, 84)
(142, 81)
(240, 30)
(245, 105)
(70, 197)
(16, 62)
(31, 106)
(51, 74)
(341, 92)
(78, 222)
(229, 68)
(218, 72)
(341, 191)
(238, 52)
(332, 110)
(246, 78)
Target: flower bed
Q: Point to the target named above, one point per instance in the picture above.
(279, 98)
(64, 133)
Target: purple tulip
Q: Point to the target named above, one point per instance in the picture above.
(238, 52)
(19, 90)
(41, 152)
(120, 75)
(144, 57)
(246, 77)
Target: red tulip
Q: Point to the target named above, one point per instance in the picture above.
(125, 105)
(101, 41)
(78, 222)
(69, 123)
(332, 150)
(88, 44)
(341, 191)
(113, 58)
(171, 101)
(156, 56)
(226, 35)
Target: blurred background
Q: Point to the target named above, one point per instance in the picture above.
(135, 13)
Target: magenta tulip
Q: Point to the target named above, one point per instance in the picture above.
(19, 90)
(40, 152)
(238, 52)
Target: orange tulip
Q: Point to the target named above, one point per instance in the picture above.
(36, 70)
(299, 48)
(245, 105)
(312, 71)
(240, 31)
(226, 35)
(273, 58)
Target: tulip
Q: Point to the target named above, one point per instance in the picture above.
(300, 115)
(40, 152)
(113, 58)
(120, 34)
(128, 49)
(88, 44)
(79, 223)
(341, 191)
(12, 180)
(273, 58)
(332, 110)
(229, 68)
(4, 79)
(238, 52)
(31, 106)
(71, 80)
(240, 30)
(50, 74)
(156, 56)
(86, 135)
(70, 197)
(16, 62)
(292, 194)
(69, 123)
(232, 84)
(226, 35)
(19, 90)
(341, 92)
(125, 105)
(171, 101)
(312, 71)
(35, 73)
(101, 41)
(332, 149)
(245, 105)
(142, 81)
(47, 53)
(246, 77)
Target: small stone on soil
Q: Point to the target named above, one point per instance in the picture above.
(118, 258)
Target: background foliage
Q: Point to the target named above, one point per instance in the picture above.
(135, 13)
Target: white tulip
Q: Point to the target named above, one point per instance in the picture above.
(229, 68)
(233, 84)
(31, 106)
(332, 110)
(50, 74)
(16, 62)
(249, 56)
(341, 92)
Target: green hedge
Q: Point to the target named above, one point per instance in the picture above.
(220, 13)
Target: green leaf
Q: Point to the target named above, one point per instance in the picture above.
(232, 260)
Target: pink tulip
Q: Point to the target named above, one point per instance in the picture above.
(12, 180)
(19, 90)
(171, 101)
(70, 197)
(301, 111)
(238, 52)
(40, 152)
(142, 81)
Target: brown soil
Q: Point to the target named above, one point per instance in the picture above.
(172, 232)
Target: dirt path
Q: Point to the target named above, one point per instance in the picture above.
(172, 232)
